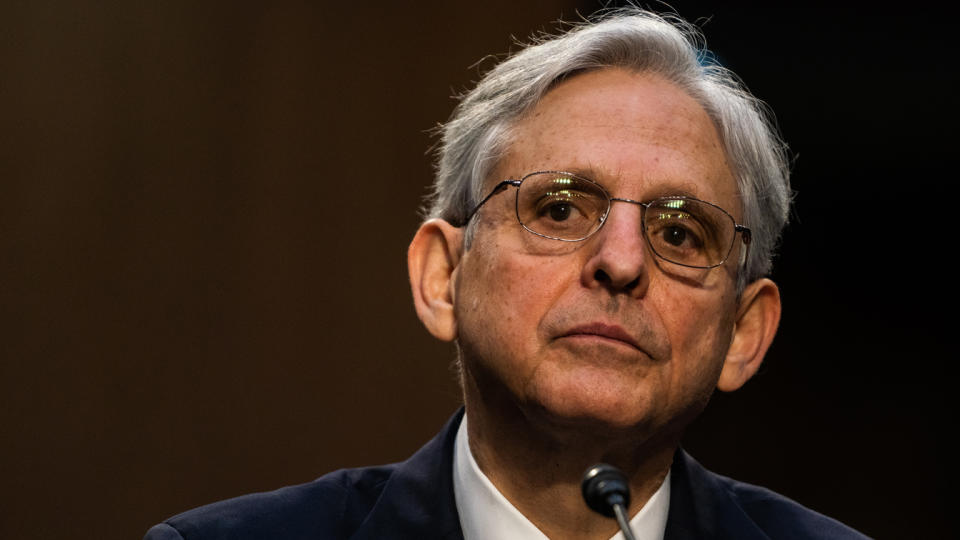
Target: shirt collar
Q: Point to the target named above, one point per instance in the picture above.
(486, 513)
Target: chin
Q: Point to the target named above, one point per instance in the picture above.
(589, 404)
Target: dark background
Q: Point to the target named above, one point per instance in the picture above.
(204, 214)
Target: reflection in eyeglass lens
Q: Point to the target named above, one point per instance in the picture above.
(687, 231)
(560, 207)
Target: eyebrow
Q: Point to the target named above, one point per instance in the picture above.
(657, 191)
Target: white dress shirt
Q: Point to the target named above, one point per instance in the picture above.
(485, 514)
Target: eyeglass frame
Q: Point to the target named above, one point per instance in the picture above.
(745, 234)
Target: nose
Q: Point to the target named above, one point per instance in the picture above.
(617, 256)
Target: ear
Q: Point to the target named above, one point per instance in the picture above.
(757, 318)
(432, 262)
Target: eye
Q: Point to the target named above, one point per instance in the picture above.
(675, 231)
(674, 235)
(559, 210)
(560, 206)
(688, 231)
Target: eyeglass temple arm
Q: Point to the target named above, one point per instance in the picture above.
(744, 233)
(499, 187)
(746, 236)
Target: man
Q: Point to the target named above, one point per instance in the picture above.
(604, 212)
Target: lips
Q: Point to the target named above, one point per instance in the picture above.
(603, 330)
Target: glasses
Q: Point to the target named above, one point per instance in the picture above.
(681, 230)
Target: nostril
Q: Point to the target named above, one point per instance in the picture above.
(601, 276)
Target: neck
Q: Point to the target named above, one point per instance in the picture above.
(538, 466)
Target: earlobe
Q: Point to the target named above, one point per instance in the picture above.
(758, 316)
(432, 261)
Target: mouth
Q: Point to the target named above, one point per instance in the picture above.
(602, 331)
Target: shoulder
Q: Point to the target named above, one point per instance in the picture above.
(330, 507)
(412, 499)
(746, 510)
(781, 517)
(707, 505)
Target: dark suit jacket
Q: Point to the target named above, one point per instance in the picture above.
(414, 500)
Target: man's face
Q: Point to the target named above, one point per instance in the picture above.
(600, 330)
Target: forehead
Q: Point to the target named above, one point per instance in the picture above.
(637, 134)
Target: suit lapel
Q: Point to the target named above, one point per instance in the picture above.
(701, 507)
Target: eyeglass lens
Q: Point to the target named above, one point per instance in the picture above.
(681, 230)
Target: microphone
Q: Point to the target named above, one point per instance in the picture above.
(606, 491)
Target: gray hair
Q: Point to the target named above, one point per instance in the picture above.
(478, 132)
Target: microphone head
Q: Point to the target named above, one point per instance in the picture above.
(604, 486)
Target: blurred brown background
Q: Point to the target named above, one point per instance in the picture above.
(205, 209)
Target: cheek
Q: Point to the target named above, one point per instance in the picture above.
(486, 281)
(510, 279)
(700, 328)
(502, 297)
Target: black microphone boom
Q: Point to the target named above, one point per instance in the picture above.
(607, 492)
